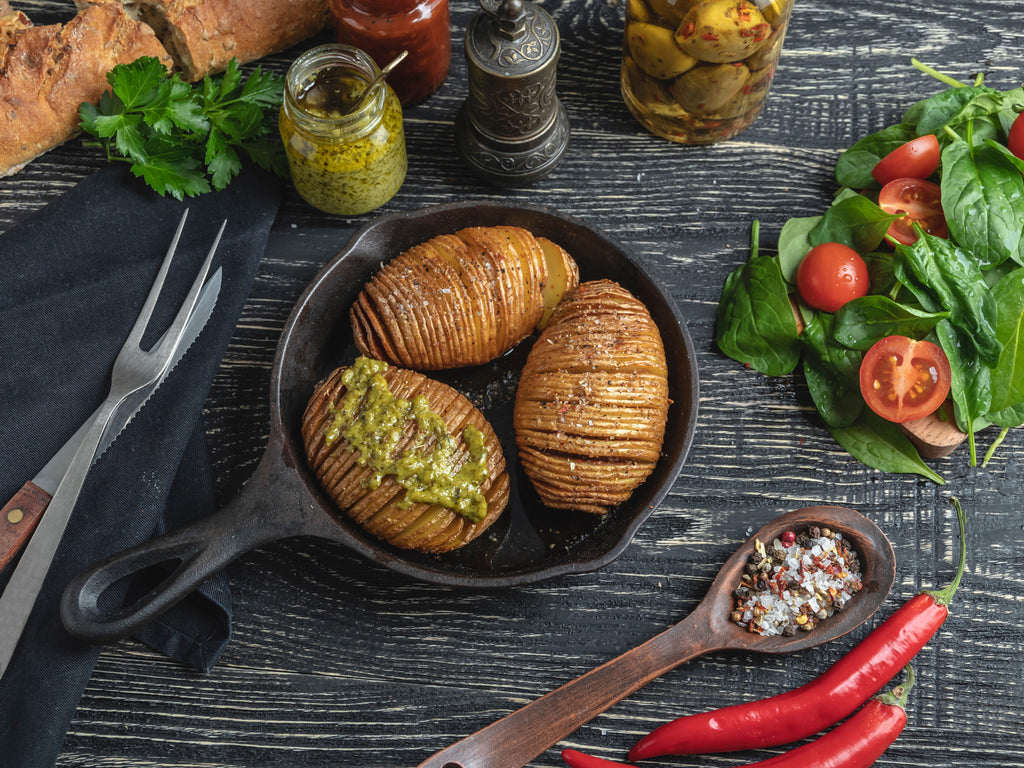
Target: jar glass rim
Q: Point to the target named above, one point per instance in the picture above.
(304, 68)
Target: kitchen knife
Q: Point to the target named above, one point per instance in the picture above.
(19, 516)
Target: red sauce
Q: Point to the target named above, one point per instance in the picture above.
(385, 28)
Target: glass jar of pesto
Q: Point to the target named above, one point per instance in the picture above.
(345, 158)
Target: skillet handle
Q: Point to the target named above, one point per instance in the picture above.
(257, 515)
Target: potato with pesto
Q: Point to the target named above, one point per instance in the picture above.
(592, 400)
(406, 457)
(461, 299)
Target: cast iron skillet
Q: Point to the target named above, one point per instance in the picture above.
(282, 499)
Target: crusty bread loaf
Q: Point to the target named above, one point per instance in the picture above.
(204, 35)
(47, 72)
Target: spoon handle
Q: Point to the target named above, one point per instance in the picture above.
(516, 739)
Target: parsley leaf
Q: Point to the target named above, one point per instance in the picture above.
(185, 139)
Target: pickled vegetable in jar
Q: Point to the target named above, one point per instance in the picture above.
(699, 71)
(385, 28)
(343, 160)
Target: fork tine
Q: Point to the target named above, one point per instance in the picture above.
(135, 336)
(169, 341)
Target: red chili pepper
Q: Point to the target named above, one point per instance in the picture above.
(813, 707)
(856, 743)
(576, 759)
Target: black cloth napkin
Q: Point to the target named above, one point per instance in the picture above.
(73, 278)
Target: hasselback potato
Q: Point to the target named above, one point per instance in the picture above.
(406, 457)
(462, 299)
(592, 400)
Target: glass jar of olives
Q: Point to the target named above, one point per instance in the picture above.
(699, 71)
(346, 153)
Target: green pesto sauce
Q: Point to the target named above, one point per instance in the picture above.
(373, 422)
(345, 164)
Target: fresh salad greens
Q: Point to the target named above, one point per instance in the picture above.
(181, 139)
(964, 293)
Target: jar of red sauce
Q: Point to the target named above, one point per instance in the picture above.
(385, 28)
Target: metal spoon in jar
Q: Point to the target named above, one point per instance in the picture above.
(358, 103)
(518, 738)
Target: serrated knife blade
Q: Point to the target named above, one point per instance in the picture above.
(19, 516)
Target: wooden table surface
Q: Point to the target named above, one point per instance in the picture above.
(338, 662)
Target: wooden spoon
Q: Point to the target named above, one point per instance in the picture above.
(518, 738)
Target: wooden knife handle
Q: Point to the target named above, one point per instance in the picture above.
(18, 519)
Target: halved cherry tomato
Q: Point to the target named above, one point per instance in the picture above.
(1015, 141)
(902, 379)
(830, 275)
(917, 159)
(921, 201)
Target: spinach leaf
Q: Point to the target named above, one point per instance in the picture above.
(972, 381)
(880, 271)
(982, 195)
(854, 221)
(1009, 418)
(1008, 375)
(832, 374)
(794, 244)
(755, 321)
(855, 164)
(943, 277)
(862, 322)
(1005, 152)
(882, 445)
(953, 107)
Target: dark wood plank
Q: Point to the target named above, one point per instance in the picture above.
(335, 661)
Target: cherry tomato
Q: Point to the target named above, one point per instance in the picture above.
(902, 379)
(917, 159)
(830, 275)
(921, 201)
(1015, 141)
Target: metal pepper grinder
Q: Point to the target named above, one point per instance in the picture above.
(512, 129)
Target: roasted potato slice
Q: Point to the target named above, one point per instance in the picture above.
(462, 299)
(406, 457)
(592, 400)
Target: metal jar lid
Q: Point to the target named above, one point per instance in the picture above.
(512, 129)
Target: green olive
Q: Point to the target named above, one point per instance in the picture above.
(638, 10)
(768, 53)
(704, 89)
(650, 93)
(750, 95)
(720, 31)
(672, 11)
(655, 51)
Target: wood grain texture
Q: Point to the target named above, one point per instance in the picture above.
(336, 662)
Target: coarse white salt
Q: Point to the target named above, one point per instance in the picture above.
(792, 587)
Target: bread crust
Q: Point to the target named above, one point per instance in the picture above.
(47, 72)
(204, 35)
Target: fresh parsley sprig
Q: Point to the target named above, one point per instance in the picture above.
(183, 139)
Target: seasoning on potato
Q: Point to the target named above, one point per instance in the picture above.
(406, 457)
(462, 299)
(592, 400)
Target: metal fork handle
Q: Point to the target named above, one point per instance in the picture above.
(27, 580)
